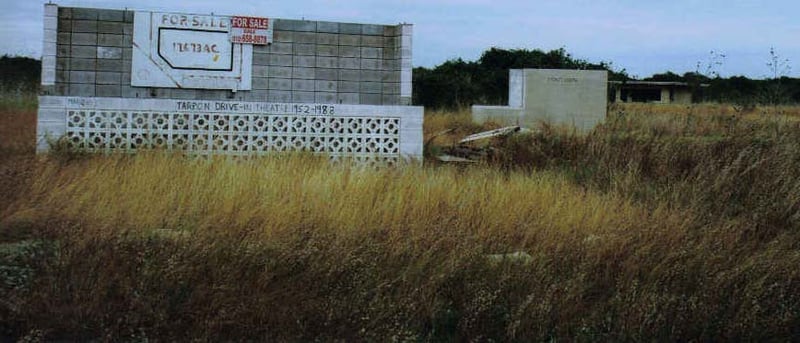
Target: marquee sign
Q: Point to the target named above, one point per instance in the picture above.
(188, 51)
(251, 30)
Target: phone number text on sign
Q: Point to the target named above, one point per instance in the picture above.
(251, 30)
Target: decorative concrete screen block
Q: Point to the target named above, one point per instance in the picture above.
(385, 134)
(176, 50)
(563, 97)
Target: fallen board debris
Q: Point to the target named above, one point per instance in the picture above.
(450, 158)
(517, 257)
(503, 131)
(466, 152)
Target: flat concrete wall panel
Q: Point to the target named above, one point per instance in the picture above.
(303, 96)
(282, 72)
(82, 77)
(63, 51)
(304, 61)
(108, 78)
(260, 83)
(325, 86)
(389, 99)
(260, 71)
(349, 63)
(89, 39)
(348, 86)
(108, 90)
(371, 29)
(325, 97)
(326, 26)
(303, 85)
(327, 74)
(110, 27)
(328, 50)
(327, 39)
(391, 88)
(370, 64)
(109, 52)
(277, 48)
(280, 96)
(280, 84)
(86, 51)
(62, 76)
(111, 15)
(349, 51)
(370, 76)
(104, 65)
(109, 65)
(370, 99)
(572, 97)
(349, 75)
(304, 49)
(78, 89)
(349, 28)
(350, 40)
(106, 39)
(84, 13)
(87, 26)
(182, 93)
(575, 98)
(305, 38)
(373, 41)
(303, 73)
(85, 64)
(349, 98)
(277, 60)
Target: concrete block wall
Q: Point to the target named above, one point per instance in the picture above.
(308, 62)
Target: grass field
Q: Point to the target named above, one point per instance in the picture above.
(665, 223)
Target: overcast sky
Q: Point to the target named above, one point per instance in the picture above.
(644, 37)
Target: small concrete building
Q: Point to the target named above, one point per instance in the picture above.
(652, 92)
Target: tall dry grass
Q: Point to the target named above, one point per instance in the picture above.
(723, 166)
(18, 129)
(17, 144)
(304, 247)
(652, 227)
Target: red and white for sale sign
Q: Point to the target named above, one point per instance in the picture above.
(251, 30)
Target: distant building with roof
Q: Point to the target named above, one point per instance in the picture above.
(659, 92)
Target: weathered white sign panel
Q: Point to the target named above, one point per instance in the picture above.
(251, 30)
(175, 50)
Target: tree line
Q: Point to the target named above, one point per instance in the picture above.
(19, 75)
(457, 83)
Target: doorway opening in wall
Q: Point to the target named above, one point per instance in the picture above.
(641, 95)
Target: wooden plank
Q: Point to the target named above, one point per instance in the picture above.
(454, 159)
(503, 131)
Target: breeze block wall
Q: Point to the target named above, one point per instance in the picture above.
(336, 88)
